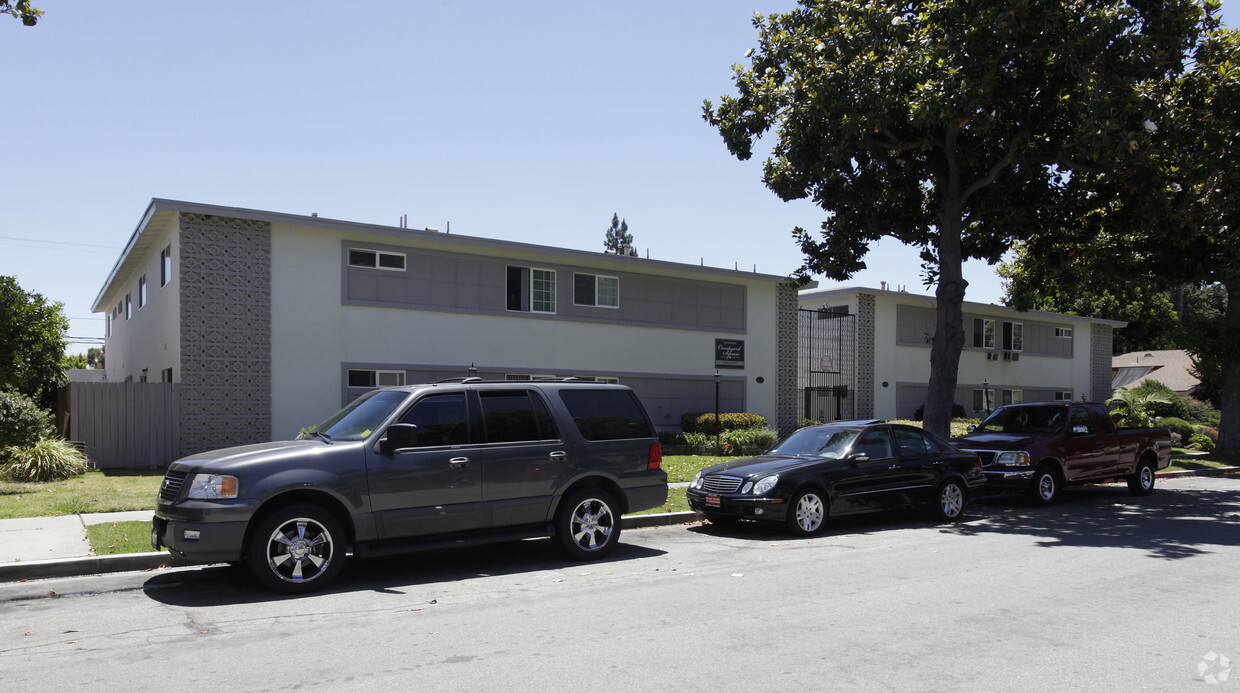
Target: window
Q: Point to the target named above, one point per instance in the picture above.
(607, 414)
(911, 443)
(165, 376)
(1080, 421)
(531, 290)
(128, 306)
(593, 290)
(876, 444)
(1063, 332)
(441, 420)
(360, 257)
(515, 416)
(107, 325)
(983, 333)
(1013, 397)
(142, 291)
(984, 400)
(165, 266)
(375, 378)
(1013, 336)
(1064, 396)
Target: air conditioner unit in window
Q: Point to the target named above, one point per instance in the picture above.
(1007, 356)
(1015, 357)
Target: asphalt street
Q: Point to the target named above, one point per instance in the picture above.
(1102, 592)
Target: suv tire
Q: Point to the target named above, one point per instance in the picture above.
(587, 525)
(296, 548)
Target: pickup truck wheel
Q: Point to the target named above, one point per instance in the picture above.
(1045, 488)
(298, 548)
(951, 501)
(1142, 483)
(587, 525)
(806, 512)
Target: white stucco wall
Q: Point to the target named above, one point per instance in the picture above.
(151, 338)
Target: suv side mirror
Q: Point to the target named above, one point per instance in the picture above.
(971, 428)
(398, 437)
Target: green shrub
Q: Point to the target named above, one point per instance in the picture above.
(728, 421)
(22, 422)
(1184, 428)
(747, 441)
(1202, 442)
(50, 459)
(1175, 406)
(695, 443)
(809, 422)
(1211, 433)
(1202, 413)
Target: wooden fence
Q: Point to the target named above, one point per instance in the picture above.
(124, 425)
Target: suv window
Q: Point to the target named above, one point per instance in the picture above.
(441, 420)
(607, 414)
(515, 415)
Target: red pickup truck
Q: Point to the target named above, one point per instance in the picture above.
(1040, 448)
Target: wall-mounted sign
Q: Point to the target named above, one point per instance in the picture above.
(729, 353)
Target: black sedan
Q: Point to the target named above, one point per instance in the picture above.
(837, 469)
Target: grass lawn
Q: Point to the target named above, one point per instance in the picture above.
(676, 503)
(120, 537)
(1207, 461)
(104, 491)
(682, 467)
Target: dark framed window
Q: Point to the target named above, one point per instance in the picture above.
(515, 415)
(165, 266)
(530, 289)
(595, 290)
(441, 420)
(364, 377)
(983, 333)
(607, 414)
(376, 259)
(1013, 336)
(142, 291)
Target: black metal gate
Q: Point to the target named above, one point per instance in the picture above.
(828, 365)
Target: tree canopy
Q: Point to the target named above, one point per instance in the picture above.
(618, 237)
(32, 344)
(1170, 219)
(950, 125)
(21, 9)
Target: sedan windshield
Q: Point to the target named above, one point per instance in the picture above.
(830, 443)
(1024, 420)
(361, 417)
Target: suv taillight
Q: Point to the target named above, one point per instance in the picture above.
(656, 457)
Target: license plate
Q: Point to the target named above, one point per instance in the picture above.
(712, 500)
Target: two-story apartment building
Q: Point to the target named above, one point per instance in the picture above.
(1009, 356)
(270, 321)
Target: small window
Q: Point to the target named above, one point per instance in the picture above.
(375, 378)
(984, 400)
(607, 414)
(165, 376)
(128, 306)
(165, 266)
(142, 291)
(593, 290)
(1063, 396)
(983, 333)
(1063, 332)
(107, 325)
(1013, 397)
(1013, 336)
(531, 290)
(441, 420)
(360, 257)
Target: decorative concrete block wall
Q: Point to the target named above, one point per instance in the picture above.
(225, 283)
(788, 327)
(866, 317)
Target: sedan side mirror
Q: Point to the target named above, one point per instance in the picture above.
(398, 437)
(971, 428)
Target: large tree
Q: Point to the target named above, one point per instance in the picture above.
(949, 125)
(32, 343)
(1172, 218)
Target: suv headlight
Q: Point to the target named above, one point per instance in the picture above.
(697, 481)
(765, 484)
(1018, 458)
(212, 486)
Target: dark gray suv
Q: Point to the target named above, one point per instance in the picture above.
(419, 467)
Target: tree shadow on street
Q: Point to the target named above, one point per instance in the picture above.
(1171, 524)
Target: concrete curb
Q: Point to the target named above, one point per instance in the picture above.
(1214, 471)
(119, 563)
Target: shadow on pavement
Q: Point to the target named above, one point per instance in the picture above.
(226, 584)
(1170, 524)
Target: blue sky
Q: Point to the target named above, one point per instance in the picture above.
(532, 122)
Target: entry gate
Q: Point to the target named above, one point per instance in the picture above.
(827, 354)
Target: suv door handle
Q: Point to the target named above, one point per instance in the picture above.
(458, 462)
(558, 456)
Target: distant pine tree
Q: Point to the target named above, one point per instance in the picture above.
(618, 237)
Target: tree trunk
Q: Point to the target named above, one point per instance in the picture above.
(948, 339)
(1229, 427)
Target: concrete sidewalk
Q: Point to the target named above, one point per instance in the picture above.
(41, 547)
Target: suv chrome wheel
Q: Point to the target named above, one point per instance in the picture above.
(587, 526)
(297, 549)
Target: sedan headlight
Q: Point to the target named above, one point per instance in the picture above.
(697, 481)
(765, 484)
(212, 486)
(1017, 458)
